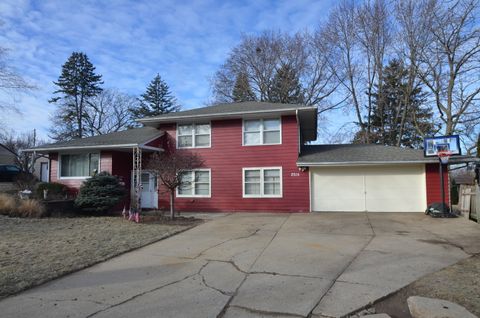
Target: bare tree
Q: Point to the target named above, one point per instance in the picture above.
(169, 167)
(10, 82)
(17, 143)
(449, 63)
(108, 112)
(339, 34)
(261, 58)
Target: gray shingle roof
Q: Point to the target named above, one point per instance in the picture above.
(228, 108)
(135, 136)
(358, 154)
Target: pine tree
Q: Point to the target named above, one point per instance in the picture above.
(286, 87)
(100, 193)
(77, 83)
(156, 100)
(242, 91)
(394, 122)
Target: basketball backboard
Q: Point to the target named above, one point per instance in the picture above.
(432, 145)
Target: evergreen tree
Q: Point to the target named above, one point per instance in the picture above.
(242, 91)
(397, 119)
(77, 83)
(286, 87)
(156, 100)
(100, 193)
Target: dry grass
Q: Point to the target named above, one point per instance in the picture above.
(30, 208)
(34, 251)
(8, 204)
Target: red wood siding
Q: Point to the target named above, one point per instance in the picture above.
(227, 157)
(434, 192)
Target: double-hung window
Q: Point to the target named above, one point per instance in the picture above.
(262, 132)
(262, 182)
(79, 165)
(195, 183)
(193, 135)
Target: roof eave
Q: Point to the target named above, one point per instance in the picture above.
(119, 146)
(236, 114)
(362, 163)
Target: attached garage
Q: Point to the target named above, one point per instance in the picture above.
(397, 188)
(370, 178)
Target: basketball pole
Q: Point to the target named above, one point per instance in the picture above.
(442, 186)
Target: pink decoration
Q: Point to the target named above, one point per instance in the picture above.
(137, 217)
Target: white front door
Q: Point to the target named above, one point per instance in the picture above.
(44, 171)
(149, 197)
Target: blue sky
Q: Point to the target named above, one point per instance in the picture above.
(130, 41)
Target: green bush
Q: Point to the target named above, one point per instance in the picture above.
(100, 193)
(55, 190)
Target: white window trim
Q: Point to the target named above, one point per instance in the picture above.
(209, 195)
(261, 132)
(262, 189)
(193, 135)
(59, 166)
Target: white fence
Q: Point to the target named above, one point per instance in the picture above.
(469, 201)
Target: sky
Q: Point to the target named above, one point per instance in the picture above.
(129, 42)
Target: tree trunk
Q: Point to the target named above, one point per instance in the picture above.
(172, 205)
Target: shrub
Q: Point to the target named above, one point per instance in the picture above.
(8, 204)
(100, 193)
(25, 181)
(55, 190)
(30, 208)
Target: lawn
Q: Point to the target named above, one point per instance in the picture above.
(33, 251)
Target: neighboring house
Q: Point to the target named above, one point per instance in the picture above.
(41, 169)
(256, 159)
(6, 156)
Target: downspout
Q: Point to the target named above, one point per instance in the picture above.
(298, 132)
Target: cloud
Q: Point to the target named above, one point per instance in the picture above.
(129, 42)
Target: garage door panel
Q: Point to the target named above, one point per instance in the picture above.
(373, 189)
(346, 194)
(395, 189)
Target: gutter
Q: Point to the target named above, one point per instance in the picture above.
(361, 163)
(173, 118)
(94, 147)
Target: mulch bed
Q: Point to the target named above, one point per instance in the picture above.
(33, 251)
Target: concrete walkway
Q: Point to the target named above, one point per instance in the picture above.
(259, 265)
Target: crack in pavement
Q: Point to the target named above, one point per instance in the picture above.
(267, 313)
(287, 275)
(344, 268)
(231, 262)
(61, 300)
(204, 281)
(147, 292)
(219, 244)
(224, 310)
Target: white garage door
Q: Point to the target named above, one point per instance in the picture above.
(398, 188)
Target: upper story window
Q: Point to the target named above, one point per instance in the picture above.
(79, 165)
(193, 135)
(262, 132)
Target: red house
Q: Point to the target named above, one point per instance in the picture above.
(256, 158)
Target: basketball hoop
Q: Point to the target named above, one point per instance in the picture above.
(444, 156)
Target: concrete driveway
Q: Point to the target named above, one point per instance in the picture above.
(259, 265)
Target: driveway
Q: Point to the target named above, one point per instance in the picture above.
(259, 265)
